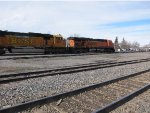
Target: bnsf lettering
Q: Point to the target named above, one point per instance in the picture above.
(21, 41)
(13, 41)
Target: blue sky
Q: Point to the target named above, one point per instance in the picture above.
(129, 23)
(96, 19)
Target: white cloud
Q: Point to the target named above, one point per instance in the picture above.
(83, 18)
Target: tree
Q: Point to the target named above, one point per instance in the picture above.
(116, 44)
(148, 45)
(75, 35)
(116, 40)
(135, 45)
(125, 45)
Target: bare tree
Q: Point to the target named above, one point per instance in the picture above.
(148, 45)
(135, 45)
(75, 35)
(125, 45)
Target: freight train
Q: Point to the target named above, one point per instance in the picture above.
(52, 43)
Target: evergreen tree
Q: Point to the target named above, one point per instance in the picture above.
(116, 44)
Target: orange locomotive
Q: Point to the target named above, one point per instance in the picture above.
(52, 43)
(82, 44)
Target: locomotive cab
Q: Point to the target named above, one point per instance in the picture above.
(110, 46)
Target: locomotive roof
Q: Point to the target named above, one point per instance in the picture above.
(84, 38)
(78, 38)
(3, 33)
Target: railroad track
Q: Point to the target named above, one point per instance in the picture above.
(30, 56)
(67, 70)
(99, 98)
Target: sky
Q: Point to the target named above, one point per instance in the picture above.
(94, 19)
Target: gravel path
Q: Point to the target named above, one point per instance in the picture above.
(25, 65)
(18, 92)
(140, 104)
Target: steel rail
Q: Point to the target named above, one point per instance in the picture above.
(45, 100)
(52, 55)
(18, 77)
(75, 66)
(45, 56)
(112, 106)
(56, 69)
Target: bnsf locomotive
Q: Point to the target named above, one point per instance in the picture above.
(82, 44)
(52, 43)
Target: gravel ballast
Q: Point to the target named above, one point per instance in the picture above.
(140, 104)
(26, 65)
(27, 90)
